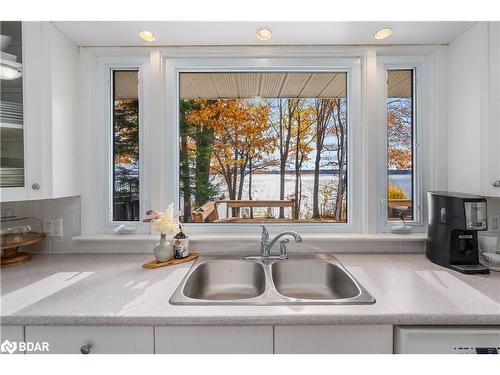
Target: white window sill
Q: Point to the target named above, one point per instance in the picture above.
(412, 237)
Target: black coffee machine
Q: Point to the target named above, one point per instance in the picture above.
(454, 219)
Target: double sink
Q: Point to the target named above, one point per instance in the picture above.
(302, 279)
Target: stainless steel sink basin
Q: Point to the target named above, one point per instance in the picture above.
(226, 280)
(313, 279)
(303, 279)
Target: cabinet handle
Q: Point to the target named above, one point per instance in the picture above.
(35, 186)
(85, 349)
(496, 183)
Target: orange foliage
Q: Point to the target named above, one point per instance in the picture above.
(241, 132)
(400, 158)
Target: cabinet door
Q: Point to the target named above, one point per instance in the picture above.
(214, 340)
(12, 178)
(333, 339)
(11, 336)
(493, 159)
(95, 340)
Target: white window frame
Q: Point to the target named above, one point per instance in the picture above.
(351, 65)
(421, 120)
(105, 68)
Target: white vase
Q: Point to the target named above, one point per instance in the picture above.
(163, 250)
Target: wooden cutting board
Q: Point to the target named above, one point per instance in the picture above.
(155, 264)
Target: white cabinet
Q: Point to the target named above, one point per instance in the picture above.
(94, 339)
(473, 110)
(14, 335)
(333, 339)
(214, 340)
(50, 126)
(444, 340)
(494, 109)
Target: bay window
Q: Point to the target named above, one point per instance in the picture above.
(281, 141)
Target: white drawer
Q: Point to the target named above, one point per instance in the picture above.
(214, 340)
(102, 340)
(333, 339)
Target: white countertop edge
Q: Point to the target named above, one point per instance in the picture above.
(292, 319)
(412, 237)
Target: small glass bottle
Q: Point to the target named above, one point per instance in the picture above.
(181, 244)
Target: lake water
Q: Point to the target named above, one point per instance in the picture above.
(266, 186)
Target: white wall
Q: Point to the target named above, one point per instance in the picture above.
(473, 135)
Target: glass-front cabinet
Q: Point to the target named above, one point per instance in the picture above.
(11, 106)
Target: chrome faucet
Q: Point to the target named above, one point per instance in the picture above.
(266, 244)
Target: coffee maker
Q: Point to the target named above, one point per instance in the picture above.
(454, 219)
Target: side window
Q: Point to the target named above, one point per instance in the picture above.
(125, 147)
(400, 144)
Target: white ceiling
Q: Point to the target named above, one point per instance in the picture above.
(124, 33)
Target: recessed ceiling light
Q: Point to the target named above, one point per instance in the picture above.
(383, 33)
(264, 33)
(146, 35)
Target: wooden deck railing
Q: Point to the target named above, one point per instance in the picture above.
(398, 204)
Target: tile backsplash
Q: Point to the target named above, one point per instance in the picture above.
(493, 211)
(68, 209)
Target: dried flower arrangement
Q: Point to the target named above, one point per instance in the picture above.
(164, 222)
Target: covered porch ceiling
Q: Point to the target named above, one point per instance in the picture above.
(263, 84)
(241, 85)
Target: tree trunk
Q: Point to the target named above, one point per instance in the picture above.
(250, 166)
(282, 160)
(242, 169)
(234, 210)
(317, 162)
(285, 146)
(185, 178)
(204, 140)
(297, 170)
(341, 157)
(323, 115)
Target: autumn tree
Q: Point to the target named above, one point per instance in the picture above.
(185, 171)
(282, 124)
(239, 135)
(196, 146)
(399, 133)
(259, 144)
(126, 159)
(303, 138)
(323, 109)
(340, 132)
(337, 150)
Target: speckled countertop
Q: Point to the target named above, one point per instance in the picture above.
(113, 289)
